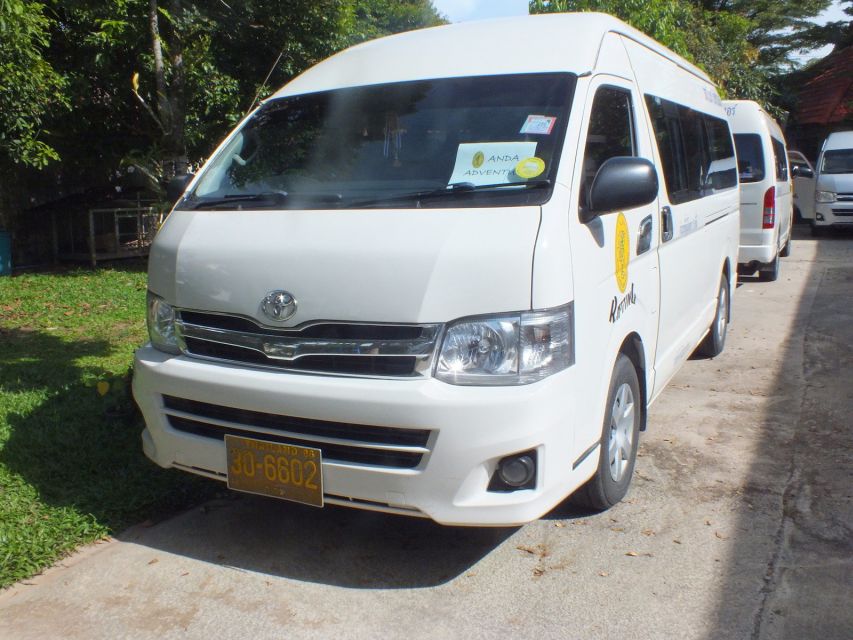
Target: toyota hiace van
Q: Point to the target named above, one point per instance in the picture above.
(833, 196)
(444, 275)
(766, 194)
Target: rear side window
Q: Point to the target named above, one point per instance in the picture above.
(750, 158)
(695, 148)
(781, 159)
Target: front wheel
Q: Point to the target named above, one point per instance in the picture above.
(619, 438)
(715, 341)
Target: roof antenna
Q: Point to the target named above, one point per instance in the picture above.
(264, 83)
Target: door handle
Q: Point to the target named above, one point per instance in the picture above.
(667, 230)
(644, 238)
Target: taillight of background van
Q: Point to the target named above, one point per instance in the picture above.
(768, 220)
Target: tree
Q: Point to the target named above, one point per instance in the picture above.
(716, 41)
(29, 86)
(30, 89)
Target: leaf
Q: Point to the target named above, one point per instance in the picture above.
(103, 387)
(633, 554)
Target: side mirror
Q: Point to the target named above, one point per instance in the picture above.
(176, 187)
(623, 182)
(802, 172)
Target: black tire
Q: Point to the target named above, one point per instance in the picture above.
(715, 341)
(613, 477)
(769, 272)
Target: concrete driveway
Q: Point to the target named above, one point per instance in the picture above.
(739, 524)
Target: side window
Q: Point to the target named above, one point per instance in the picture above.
(610, 134)
(695, 149)
(665, 122)
(696, 159)
(781, 160)
(722, 172)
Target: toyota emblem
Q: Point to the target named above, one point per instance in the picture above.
(279, 305)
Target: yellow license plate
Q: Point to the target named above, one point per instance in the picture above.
(285, 471)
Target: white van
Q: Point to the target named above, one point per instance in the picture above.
(766, 194)
(834, 184)
(804, 182)
(434, 278)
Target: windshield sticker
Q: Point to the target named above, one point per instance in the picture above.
(490, 162)
(622, 246)
(530, 168)
(538, 125)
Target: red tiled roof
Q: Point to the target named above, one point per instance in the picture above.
(828, 97)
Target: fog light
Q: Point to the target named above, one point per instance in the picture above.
(819, 216)
(516, 471)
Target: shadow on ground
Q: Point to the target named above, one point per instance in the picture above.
(797, 498)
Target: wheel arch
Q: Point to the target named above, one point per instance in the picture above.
(727, 271)
(632, 348)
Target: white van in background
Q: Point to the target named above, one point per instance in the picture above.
(766, 195)
(804, 182)
(834, 184)
(441, 284)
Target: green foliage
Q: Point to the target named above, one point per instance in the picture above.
(71, 463)
(29, 86)
(716, 41)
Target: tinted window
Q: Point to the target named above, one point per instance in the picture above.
(750, 159)
(611, 132)
(398, 144)
(722, 173)
(664, 115)
(838, 161)
(695, 149)
(781, 160)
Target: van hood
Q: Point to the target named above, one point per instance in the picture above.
(837, 182)
(408, 266)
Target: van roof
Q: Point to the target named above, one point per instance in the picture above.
(529, 44)
(839, 140)
(745, 116)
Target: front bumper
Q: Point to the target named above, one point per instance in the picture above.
(471, 429)
(833, 214)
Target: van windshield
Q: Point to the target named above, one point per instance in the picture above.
(838, 161)
(476, 141)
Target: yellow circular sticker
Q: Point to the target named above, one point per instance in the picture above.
(623, 252)
(530, 168)
(478, 160)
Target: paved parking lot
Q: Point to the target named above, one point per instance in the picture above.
(739, 523)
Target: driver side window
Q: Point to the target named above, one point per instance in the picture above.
(610, 134)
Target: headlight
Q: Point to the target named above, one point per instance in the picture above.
(824, 196)
(161, 324)
(508, 349)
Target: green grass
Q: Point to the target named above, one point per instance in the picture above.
(71, 464)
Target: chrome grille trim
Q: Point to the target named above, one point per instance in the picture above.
(354, 445)
(279, 348)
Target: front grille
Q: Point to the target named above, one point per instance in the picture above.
(338, 441)
(842, 212)
(844, 197)
(325, 347)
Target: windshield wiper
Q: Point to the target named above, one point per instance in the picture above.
(453, 189)
(265, 199)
